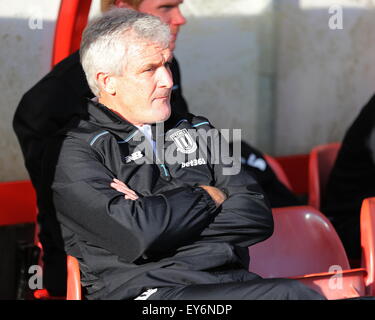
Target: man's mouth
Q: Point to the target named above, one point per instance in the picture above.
(164, 96)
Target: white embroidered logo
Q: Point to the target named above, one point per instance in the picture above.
(193, 163)
(184, 141)
(134, 156)
(145, 295)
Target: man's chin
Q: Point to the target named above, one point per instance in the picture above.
(166, 116)
(172, 45)
(163, 113)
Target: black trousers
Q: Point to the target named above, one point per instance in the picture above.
(253, 288)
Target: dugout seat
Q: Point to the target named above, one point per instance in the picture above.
(74, 291)
(306, 247)
(368, 243)
(278, 169)
(321, 161)
(18, 202)
(72, 19)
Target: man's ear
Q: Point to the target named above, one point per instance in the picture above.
(122, 4)
(106, 82)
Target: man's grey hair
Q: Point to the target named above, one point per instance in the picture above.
(106, 39)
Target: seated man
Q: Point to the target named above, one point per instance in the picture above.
(142, 225)
(49, 105)
(352, 179)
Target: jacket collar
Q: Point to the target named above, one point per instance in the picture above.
(102, 116)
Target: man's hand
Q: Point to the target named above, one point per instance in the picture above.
(216, 194)
(122, 187)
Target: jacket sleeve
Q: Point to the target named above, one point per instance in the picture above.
(98, 214)
(245, 217)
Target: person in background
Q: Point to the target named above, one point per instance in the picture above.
(54, 101)
(352, 179)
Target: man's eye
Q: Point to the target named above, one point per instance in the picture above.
(166, 7)
(150, 69)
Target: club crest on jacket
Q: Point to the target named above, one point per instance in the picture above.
(184, 141)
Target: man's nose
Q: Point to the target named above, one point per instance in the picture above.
(165, 79)
(178, 19)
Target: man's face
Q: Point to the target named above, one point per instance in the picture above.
(143, 91)
(168, 11)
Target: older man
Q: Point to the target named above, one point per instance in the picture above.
(141, 227)
(50, 105)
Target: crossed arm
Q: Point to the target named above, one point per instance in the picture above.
(216, 194)
(244, 219)
(87, 202)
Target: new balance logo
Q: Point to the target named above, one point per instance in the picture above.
(134, 156)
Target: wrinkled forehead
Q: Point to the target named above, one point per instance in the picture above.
(142, 51)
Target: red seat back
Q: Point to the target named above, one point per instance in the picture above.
(295, 167)
(74, 279)
(279, 171)
(18, 202)
(303, 242)
(321, 161)
(72, 19)
(306, 247)
(368, 242)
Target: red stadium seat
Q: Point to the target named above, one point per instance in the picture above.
(73, 291)
(321, 161)
(72, 19)
(306, 247)
(279, 171)
(295, 167)
(367, 242)
(74, 280)
(18, 202)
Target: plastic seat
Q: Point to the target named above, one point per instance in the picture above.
(367, 242)
(279, 171)
(18, 202)
(74, 291)
(72, 19)
(321, 161)
(305, 246)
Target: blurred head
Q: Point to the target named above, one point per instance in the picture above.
(125, 55)
(167, 10)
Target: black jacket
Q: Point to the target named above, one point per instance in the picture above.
(353, 175)
(173, 234)
(352, 179)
